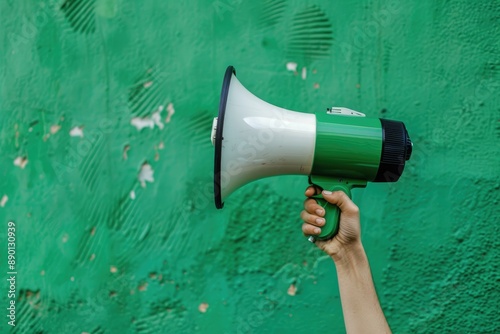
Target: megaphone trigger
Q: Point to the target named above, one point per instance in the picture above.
(332, 212)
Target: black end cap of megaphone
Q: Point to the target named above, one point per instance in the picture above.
(218, 136)
(396, 150)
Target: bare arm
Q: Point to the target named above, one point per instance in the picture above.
(360, 304)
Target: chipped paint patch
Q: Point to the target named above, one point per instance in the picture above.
(132, 195)
(203, 307)
(21, 162)
(4, 200)
(292, 290)
(170, 112)
(156, 117)
(142, 122)
(149, 122)
(55, 128)
(77, 131)
(291, 66)
(146, 174)
(125, 150)
(304, 73)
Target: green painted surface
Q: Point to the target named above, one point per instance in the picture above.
(92, 259)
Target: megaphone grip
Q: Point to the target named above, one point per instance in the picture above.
(332, 212)
(332, 215)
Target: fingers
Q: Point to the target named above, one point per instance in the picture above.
(313, 207)
(309, 229)
(310, 204)
(312, 215)
(340, 199)
(312, 219)
(313, 190)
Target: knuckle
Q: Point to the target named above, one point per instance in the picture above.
(311, 219)
(354, 209)
(341, 194)
(317, 189)
(308, 202)
(307, 217)
(311, 206)
(309, 229)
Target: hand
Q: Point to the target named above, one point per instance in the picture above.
(349, 234)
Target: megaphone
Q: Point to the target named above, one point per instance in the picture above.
(338, 149)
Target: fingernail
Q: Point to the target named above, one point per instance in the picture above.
(320, 212)
(326, 192)
(317, 230)
(320, 221)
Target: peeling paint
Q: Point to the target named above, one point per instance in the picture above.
(4, 200)
(21, 162)
(203, 307)
(156, 117)
(146, 174)
(149, 122)
(55, 128)
(77, 131)
(142, 122)
(126, 148)
(291, 66)
(170, 112)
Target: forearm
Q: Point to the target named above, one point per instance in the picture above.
(360, 304)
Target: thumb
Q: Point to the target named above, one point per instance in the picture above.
(340, 199)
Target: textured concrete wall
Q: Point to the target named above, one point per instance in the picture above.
(97, 252)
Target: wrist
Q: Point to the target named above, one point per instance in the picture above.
(350, 256)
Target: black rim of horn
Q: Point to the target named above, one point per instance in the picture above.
(218, 135)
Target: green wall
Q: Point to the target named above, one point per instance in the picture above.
(92, 257)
